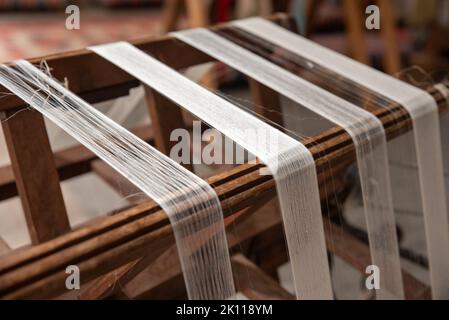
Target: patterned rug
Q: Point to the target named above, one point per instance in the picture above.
(33, 35)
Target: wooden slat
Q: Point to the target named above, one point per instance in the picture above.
(148, 240)
(391, 58)
(119, 239)
(172, 10)
(198, 17)
(198, 13)
(150, 273)
(355, 26)
(36, 175)
(311, 12)
(163, 278)
(254, 283)
(165, 116)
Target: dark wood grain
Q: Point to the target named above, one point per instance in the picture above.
(36, 175)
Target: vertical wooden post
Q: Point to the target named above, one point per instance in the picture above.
(311, 8)
(355, 24)
(36, 175)
(354, 21)
(391, 59)
(165, 116)
(198, 13)
(267, 102)
(172, 10)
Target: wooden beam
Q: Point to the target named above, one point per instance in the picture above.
(171, 13)
(163, 278)
(257, 232)
(198, 17)
(198, 13)
(392, 56)
(128, 235)
(166, 117)
(35, 175)
(355, 29)
(151, 273)
(254, 283)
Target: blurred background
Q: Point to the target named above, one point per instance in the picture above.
(413, 33)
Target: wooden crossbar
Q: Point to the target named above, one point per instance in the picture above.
(126, 237)
(116, 240)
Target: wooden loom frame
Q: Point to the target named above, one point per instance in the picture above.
(119, 247)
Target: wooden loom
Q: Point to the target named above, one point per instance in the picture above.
(119, 254)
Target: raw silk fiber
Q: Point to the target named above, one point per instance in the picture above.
(365, 129)
(190, 203)
(423, 111)
(289, 161)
